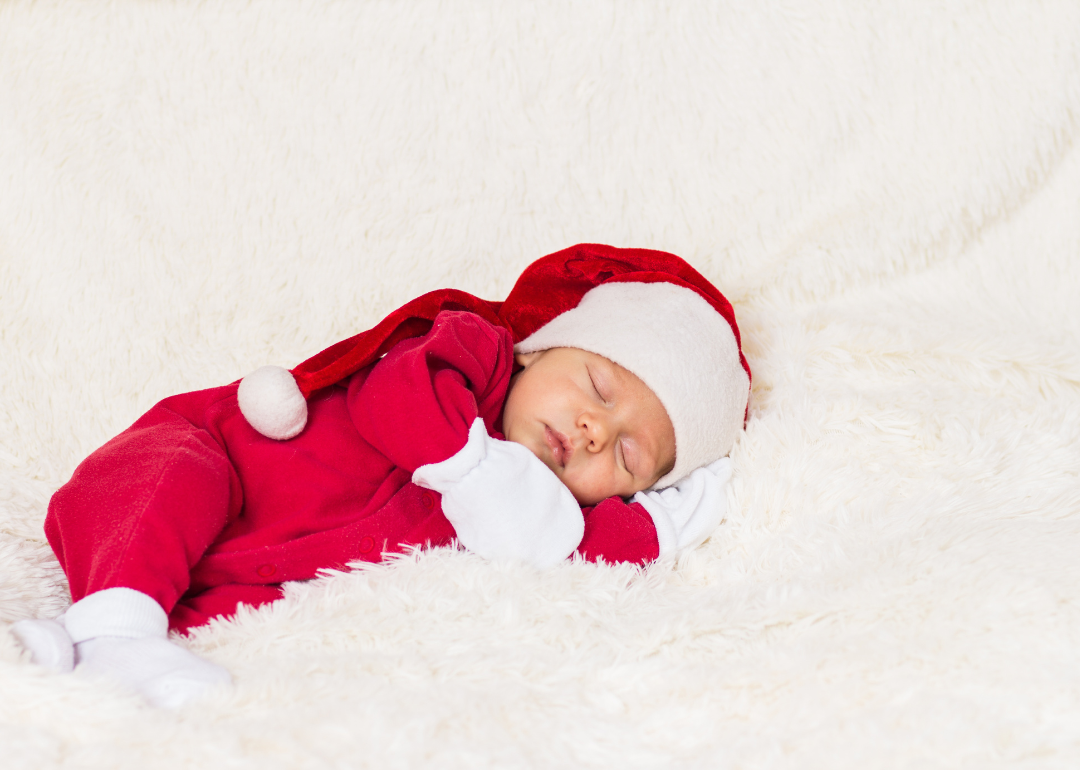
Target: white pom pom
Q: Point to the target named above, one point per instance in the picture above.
(272, 403)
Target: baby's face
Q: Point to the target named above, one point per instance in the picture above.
(595, 424)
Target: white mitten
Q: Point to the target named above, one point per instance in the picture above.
(504, 502)
(123, 634)
(687, 513)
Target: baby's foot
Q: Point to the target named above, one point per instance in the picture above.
(165, 674)
(124, 635)
(47, 642)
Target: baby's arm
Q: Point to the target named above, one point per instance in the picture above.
(418, 404)
(616, 531)
(430, 406)
(658, 523)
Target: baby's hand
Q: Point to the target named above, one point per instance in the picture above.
(687, 513)
(504, 502)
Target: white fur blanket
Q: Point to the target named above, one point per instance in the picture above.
(889, 193)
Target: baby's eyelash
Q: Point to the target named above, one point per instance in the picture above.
(592, 381)
(605, 397)
(622, 457)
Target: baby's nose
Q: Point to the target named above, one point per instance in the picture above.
(597, 431)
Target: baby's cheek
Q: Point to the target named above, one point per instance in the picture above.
(581, 490)
(592, 488)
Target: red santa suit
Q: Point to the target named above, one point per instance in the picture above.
(196, 509)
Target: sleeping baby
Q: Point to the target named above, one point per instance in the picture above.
(589, 413)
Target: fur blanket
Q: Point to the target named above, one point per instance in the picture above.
(889, 194)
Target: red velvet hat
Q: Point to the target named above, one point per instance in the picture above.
(648, 311)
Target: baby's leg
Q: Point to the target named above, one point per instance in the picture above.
(141, 510)
(129, 526)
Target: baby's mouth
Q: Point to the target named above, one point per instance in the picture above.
(560, 446)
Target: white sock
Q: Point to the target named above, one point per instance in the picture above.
(47, 642)
(123, 634)
(164, 673)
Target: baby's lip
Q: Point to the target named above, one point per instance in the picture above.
(560, 446)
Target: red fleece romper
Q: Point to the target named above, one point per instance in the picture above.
(193, 507)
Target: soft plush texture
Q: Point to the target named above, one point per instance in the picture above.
(272, 403)
(888, 193)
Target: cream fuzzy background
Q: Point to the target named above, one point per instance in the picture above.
(889, 193)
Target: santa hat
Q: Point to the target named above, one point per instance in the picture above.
(648, 311)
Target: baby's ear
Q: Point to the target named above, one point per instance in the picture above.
(524, 359)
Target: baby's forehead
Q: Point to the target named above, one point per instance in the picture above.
(615, 374)
(571, 355)
(614, 367)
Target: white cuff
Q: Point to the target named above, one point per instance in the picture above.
(667, 537)
(121, 612)
(439, 476)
